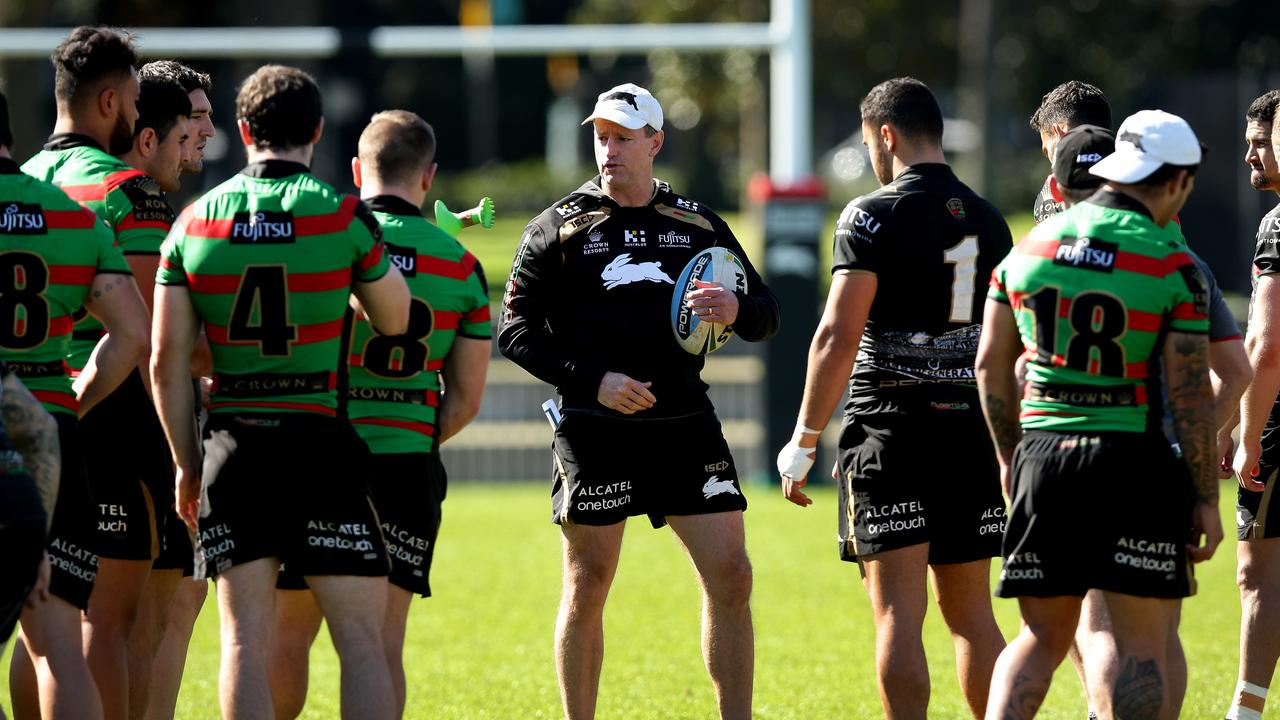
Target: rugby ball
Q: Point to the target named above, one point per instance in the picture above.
(716, 265)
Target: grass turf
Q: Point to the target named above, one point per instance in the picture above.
(482, 647)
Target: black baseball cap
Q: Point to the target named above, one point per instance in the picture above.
(1080, 149)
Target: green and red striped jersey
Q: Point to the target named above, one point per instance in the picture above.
(50, 250)
(128, 200)
(270, 257)
(394, 389)
(1094, 290)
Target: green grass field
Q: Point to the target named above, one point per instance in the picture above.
(482, 647)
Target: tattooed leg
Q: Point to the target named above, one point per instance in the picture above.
(1026, 666)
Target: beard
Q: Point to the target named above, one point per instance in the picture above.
(121, 137)
(1260, 180)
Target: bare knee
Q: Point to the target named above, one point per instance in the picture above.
(1254, 578)
(586, 583)
(1055, 638)
(728, 583)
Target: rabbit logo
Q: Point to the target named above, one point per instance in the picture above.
(620, 271)
(715, 486)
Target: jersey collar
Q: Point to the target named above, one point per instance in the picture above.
(9, 167)
(1119, 201)
(925, 170)
(392, 205)
(274, 169)
(66, 141)
(595, 188)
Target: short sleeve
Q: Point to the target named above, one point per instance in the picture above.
(171, 270)
(1222, 324)
(141, 215)
(1188, 296)
(859, 239)
(996, 289)
(110, 259)
(1266, 256)
(476, 322)
(371, 258)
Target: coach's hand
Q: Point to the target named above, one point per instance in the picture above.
(1206, 524)
(712, 302)
(187, 490)
(1246, 467)
(624, 394)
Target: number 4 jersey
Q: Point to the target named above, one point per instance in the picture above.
(932, 243)
(270, 257)
(1095, 289)
(395, 379)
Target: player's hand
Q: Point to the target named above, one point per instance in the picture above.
(1246, 467)
(40, 591)
(1206, 525)
(712, 302)
(1226, 454)
(794, 464)
(187, 492)
(624, 394)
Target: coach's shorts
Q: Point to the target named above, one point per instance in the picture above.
(130, 472)
(74, 564)
(407, 490)
(925, 477)
(608, 469)
(290, 486)
(1254, 508)
(22, 535)
(1108, 510)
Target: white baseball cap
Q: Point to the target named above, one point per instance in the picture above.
(1147, 140)
(629, 105)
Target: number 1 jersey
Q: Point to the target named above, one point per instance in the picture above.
(270, 257)
(932, 243)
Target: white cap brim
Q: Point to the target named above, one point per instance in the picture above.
(613, 115)
(1126, 167)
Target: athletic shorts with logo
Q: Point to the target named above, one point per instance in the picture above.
(1255, 509)
(176, 546)
(72, 543)
(1085, 515)
(408, 490)
(928, 476)
(608, 469)
(22, 535)
(289, 486)
(130, 473)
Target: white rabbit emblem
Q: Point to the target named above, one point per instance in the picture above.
(620, 271)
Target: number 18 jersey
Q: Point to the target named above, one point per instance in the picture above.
(1095, 289)
(932, 243)
(270, 257)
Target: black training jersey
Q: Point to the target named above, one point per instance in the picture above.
(1048, 203)
(590, 292)
(932, 243)
(1266, 254)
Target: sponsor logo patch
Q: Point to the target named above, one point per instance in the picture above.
(1087, 254)
(22, 219)
(633, 238)
(265, 227)
(404, 258)
(672, 240)
(956, 208)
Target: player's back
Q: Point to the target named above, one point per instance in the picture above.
(395, 383)
(50, 250)
(270, 257)
(1095, 289)
(932, 243)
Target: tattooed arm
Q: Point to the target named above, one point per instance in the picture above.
(998, 352)
(113, 299)
(34, 434)
(1186, 366)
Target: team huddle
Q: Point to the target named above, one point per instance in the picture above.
(255, 391)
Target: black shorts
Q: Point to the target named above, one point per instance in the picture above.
(929, 476)
(608, 469)
(1254, 508)
(1110, 511)
(73, 562)
(290, 486)
(176, 549)
(407, 490)
(130, 472)
(22, 535)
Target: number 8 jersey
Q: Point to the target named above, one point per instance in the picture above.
(1095, 289)
(932, 243)
(270, 257)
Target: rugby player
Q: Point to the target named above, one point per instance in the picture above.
(603, 338)
(266, 261)
(1066, 106)
(1093, 652)
(904, 301)
(96, 91)
(1093, 291)
(168, 611)
(1258, 457)
(395, 399)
